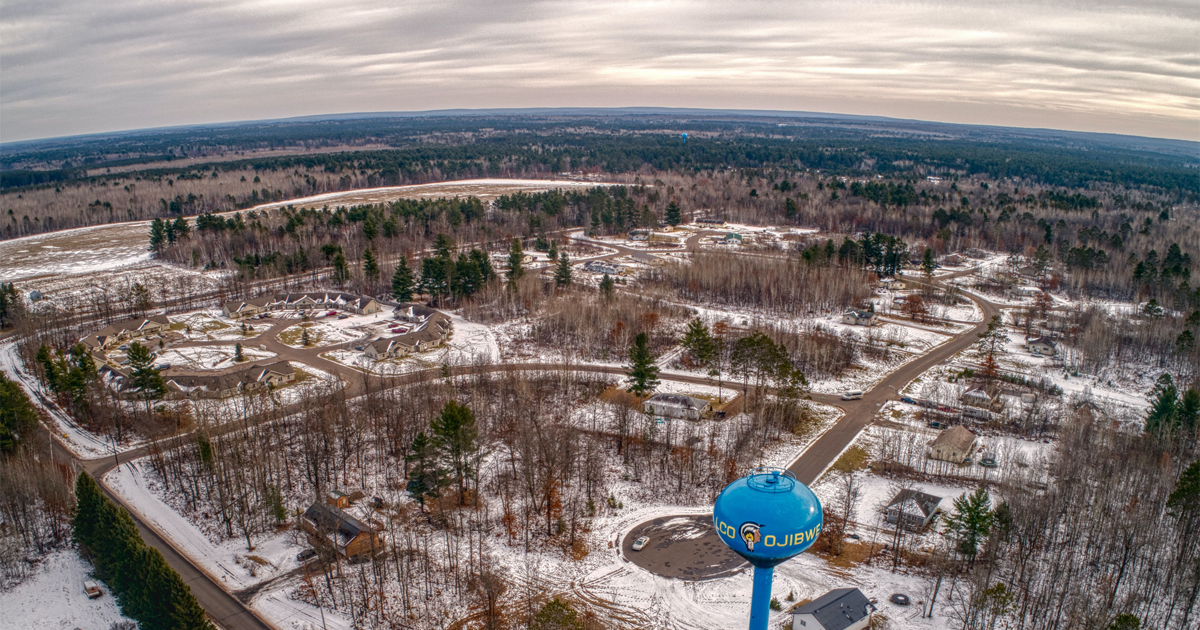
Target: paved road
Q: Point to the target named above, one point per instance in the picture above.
(669, 551)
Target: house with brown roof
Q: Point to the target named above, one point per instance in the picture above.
(126, 329)
(953, 445)
(239, 309)
(249, 379)
(331, 528)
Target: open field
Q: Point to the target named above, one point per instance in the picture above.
(83, 251)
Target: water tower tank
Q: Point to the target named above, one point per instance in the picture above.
(767, 516)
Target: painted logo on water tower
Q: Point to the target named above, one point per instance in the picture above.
(751, 534)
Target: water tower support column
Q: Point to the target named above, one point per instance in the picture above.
(760, 604)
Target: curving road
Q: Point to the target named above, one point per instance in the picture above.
(231, 614)
(677, 551)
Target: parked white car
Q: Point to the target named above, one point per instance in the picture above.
(641, 543)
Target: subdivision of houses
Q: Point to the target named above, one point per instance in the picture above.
(859, 317)
(953, 445)
(677, 406)
(839, 609)
(330, 527)
(358, 304)
(913, 509)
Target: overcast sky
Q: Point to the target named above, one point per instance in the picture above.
(81, 66)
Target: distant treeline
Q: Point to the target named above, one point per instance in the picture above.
(470, 147)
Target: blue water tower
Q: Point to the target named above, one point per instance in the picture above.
(766, 517)
(685, 138)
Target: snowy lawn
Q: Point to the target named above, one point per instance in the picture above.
(53, 599)
(209, 357)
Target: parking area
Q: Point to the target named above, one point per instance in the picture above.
(684, 547)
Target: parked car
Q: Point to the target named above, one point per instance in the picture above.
(305, 555)
(343, 316)
(852, 394)
(641, 543)
(909, 399)
(331, 313)
(92, 589)
(936, 425)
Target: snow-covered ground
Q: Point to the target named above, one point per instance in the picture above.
(53, 598)
(208, 357)
(227, 562)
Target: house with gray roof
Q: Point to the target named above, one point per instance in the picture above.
(913, 508)
(330, 527)
(839, 609)
(677, 406)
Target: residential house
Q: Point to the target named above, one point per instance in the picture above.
(733, 238)
(892, 284)
(249, 379)
(859, 317)
(127, 329)
(982, 398)
(389, 347)
(839, 609)
(707, 222)
(330, 527)
(953, 445)
(953, 259)
(914, 509)
(1042, 345)
(240, 309)
(599, 266)
(677, 406)
(639, 235)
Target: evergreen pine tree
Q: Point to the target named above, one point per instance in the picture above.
(458, 435)
(1163, 401)
(369, 229)
(553, 252)
(927, 263)
(972, 521)
(562, 273)
(402, 281)
(699, 342)
(607, 287)
(86, 519)
(158, 235)
(370, 267)
(341, 272)
(426, 478)
(237, 352)
(142, 373)
(516, 257)
(643, 373)
(674, 215)
(182, 229)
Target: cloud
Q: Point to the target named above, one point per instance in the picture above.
(72, 66)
